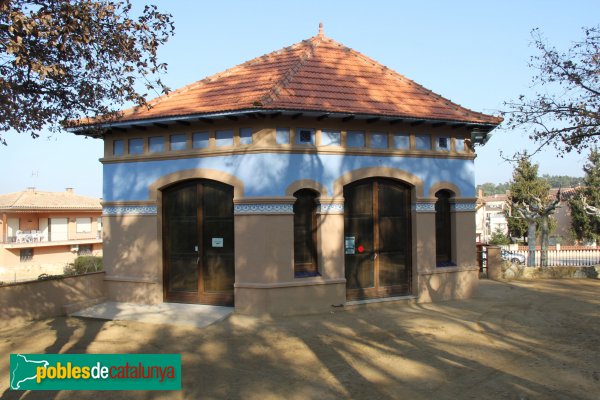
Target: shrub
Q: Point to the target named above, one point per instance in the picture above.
(83, 265)
(499, 238)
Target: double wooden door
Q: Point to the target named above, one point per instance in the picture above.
(377, 241)
(198, 243)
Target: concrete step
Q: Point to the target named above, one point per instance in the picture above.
(190, 315)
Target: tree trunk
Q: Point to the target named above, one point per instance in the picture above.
(544, 252)
(531, 243)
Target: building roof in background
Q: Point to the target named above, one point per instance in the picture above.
(32, 199)
(317, 74)
(565, 194)
(495, 197)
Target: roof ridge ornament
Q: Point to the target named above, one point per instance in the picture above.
(321, 34)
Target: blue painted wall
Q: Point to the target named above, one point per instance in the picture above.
(269, 174)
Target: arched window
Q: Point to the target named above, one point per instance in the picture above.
(305, 233)
(443, 229)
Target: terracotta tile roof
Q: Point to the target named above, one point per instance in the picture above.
(565, 194)
(32, 199)
(495, 197)
(318, 74)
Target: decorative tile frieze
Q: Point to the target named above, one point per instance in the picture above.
(424, 207)
(333, 208)
(130, 210)
(263, 208)
(463, 207)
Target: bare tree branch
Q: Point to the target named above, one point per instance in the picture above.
(566, 114)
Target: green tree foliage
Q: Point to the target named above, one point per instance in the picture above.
(555, 181)
(490, 189)
(584, 225)
(524, 188)
(565, 111)
(499, 238)
(62, 60)
(562, 181)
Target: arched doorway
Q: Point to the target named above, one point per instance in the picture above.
(377, 230)
(198, 263)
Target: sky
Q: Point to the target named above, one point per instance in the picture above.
(474, 53)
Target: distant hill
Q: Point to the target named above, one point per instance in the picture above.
(555, 181)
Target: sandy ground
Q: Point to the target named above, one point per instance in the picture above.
(524, 340)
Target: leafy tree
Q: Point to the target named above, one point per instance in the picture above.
(499, 238)
(490, 189)
(62, 60)
(562, 181)
(524, 188)
(586, 226)
(565, 111)
(555, 181)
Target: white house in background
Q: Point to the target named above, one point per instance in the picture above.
(490, 216)
(40, 232)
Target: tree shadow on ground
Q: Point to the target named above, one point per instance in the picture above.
(71, 335)
(515, 340)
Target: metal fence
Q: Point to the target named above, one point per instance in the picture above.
(572, 256)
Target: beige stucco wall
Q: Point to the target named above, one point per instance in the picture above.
(46, 260)
(464, 252)
(445, 283)
(290, 300)
(264, 248)
(448, 283)
(424, 240)
(132, 259)
(264, 265)
(330, 240)
(44, 299)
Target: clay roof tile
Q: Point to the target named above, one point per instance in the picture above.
(32, 199)
(317, 74)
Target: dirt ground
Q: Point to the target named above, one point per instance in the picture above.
(519, 340)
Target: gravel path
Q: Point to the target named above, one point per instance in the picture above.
(518, 340)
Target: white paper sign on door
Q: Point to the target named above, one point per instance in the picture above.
(350, 244)
(217, 242)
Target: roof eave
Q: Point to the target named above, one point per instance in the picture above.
(99, 129)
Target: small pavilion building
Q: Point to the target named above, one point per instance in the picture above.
(303, 179)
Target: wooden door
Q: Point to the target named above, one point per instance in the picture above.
(198, 243)
(377, 239)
